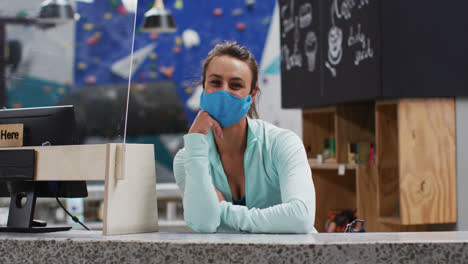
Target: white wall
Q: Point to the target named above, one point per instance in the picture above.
(47, 54)
(461, 112)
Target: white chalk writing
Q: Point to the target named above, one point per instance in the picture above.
(305, 15)
(293, 60)
(310, 48)
(356, 37)
(366, 53)
(288, 22)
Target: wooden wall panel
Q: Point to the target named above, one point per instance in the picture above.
(387, 159)
(367, 191)
(367, 187)
(427, 161)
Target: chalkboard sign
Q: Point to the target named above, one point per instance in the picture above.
(351, 54)
(330, 51)
(300, 52)
(371, 49)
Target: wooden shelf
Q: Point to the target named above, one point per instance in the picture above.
(393, 224)
(414, 162)
(393, 220)
(415, 141)
(317, 125)
(328, 109)
(333, 192)
(345, 123)
(329, 165)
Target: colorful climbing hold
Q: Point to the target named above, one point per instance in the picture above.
(217, 12)
(190, 38)
(240, 26)
(250, 4)
(176, 50)
(47, 89)
(82, 66)
(88, 26)
(216, 41)
(114, 3)
(94, 39)
(186, 84)
(178, 41)
(154, 35)
(153, 75)
(179, 4)
(237, 12)
(167, 71)
(61, 91)
(91, 79)
(122, 10)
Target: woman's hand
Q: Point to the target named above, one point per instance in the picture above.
(220, 195)
(203, 122)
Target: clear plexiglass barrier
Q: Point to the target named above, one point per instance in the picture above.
(64, 75)
(95, 73)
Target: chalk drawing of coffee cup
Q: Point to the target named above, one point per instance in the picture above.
(335, 38)
(285, 57)
(310, 47)
(305, 15)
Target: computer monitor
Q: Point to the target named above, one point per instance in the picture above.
(42, 125)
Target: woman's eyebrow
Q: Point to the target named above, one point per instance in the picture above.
(236, 79)
(215, 75)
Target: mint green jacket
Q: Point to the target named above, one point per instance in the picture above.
(279, 192)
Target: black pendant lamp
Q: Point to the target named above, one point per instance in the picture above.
(55, 12)
(158, 19)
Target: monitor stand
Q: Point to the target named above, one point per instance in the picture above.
(21, 212)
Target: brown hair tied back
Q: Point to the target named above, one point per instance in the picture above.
(233, 49)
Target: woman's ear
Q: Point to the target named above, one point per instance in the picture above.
(254, 92)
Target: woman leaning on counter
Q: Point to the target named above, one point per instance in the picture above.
(237, 173)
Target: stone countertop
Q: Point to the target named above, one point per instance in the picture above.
(93, 247)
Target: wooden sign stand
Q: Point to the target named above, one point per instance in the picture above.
(130, 202)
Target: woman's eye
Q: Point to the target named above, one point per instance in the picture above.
(237, 85)
(215, 82)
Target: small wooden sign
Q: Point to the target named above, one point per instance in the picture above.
(11, 135)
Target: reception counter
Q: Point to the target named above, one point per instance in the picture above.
(93, 247)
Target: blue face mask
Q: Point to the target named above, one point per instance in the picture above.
(224, 107)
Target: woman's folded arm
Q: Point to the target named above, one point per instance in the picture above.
(296, 213)
(192, 173)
